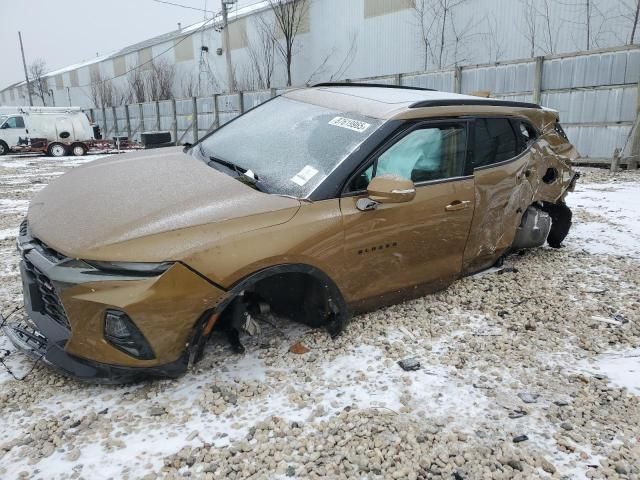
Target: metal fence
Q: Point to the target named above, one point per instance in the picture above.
(596, 93)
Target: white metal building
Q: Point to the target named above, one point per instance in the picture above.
(353, 39)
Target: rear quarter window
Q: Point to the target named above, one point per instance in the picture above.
(494, 141)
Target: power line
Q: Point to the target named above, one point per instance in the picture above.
(184, 6)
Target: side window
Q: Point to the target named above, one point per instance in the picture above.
(526, 133)
(430, 153)
(15, 122)
(495, 141)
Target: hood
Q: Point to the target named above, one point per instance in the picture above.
(122, 198)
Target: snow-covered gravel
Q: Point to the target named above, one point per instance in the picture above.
(532, 373)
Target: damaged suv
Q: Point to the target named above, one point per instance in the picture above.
(321, 203)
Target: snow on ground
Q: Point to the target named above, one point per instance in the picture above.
(505, 356)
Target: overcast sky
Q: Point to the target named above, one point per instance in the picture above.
(64, 32)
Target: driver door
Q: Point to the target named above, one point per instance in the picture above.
(13, 131)
(395, 248)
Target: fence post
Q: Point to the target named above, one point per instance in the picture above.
(141, 119)
(632, 161)
(216, 114)
(615, 160)
(537, 80)
(174, 112)
(115, 121)
(104, 119)
(397, 79)
(241, 102)
(158, 116)
(273, 92)
(128, 119)
(194, 123)
(457, 80)
(93, 116)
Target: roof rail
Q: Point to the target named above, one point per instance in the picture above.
(470, 101)
(377, 85)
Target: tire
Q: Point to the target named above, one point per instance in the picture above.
(78, 150)
(560, 222)
(4, 148)
(56, 150)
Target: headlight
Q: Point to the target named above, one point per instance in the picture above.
(139, 268)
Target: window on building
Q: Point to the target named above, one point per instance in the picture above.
(183, 49)
(495, 141)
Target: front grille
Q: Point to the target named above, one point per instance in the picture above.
(23, 228)
(51, 304)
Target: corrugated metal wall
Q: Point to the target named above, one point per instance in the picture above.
(595, 93)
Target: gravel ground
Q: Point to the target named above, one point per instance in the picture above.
(528, 372)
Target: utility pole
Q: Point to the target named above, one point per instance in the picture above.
(26, 75)
(231, 84)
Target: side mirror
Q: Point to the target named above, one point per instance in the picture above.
(391, 189)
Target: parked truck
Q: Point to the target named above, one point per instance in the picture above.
(54, 131)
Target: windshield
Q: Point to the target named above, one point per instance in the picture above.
(290, 146)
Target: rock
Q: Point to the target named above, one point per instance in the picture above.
(409, 364)
(299, 348)
(529, 397)
(520, 438)
(515, 464)
(621, 468)
(73, 455)
(566, 426)
(291, 471)
(157, 411)
(547, 466)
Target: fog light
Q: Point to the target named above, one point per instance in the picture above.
(123, 334)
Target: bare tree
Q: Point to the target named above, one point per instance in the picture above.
(102, 92)
(631, 12)
(159, 80)
(341, 69)
(549, 34)
(494, 43)
(136, 86)
(189, 86)
(262, 52)
(530, 15)
(289, 15)
(445, 12)
(423, 11)
(37, 83)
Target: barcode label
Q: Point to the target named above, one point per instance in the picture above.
(355, 125)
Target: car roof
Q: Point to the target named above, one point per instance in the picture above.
(386, 102)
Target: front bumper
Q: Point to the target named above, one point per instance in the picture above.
(66, 300)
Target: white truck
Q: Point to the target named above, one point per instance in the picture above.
(55, 131)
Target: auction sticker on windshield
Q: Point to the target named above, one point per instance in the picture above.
(304, 175)
(355, 125)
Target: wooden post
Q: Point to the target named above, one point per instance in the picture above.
(632, 161)
(158, 116)
(174, 112)
(128, 119)
(537, 80)
(194, 123)
(93, 116)
(141, 118)
(615, 160)
(115, 121)
(104, 119)
(216, 115)
(457, 80)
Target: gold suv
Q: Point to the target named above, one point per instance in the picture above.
(320, 203)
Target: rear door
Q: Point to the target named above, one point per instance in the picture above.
(501, 166)
(14, 131)
(398, 246)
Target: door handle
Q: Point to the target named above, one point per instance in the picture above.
(457, 205)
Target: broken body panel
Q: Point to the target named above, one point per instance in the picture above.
(220, 237)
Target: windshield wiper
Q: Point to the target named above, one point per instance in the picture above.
(244, 175)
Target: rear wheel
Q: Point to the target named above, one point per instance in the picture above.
(56, 150)
(78, 150)
(560, 215)
(4, 148)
